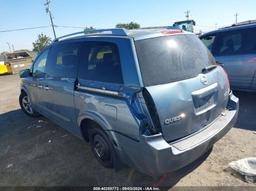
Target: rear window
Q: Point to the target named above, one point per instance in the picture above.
(171, 58)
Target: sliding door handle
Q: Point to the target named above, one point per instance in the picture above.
(97, 90)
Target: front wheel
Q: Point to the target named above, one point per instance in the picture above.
(26, 106)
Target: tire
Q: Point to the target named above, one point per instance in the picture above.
(101, 147)
(26, 106)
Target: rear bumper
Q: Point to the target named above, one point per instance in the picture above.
(152, 155)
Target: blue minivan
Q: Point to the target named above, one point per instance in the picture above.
(234, 48)
(152, 99)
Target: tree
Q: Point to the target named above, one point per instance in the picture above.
(131, 25)
(41, 42)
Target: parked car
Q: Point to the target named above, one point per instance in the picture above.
(152, 99)
(235, 49)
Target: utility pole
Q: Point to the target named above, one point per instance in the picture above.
(187, 14)
(47, 5)
(236, 16)
(216, 25)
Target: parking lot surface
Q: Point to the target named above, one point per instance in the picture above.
(36, 152)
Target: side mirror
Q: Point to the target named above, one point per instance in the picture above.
(25, 73)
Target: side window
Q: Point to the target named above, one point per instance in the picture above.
(249, 41)
(208, 41)
(228, 43)
(63, 60)
(101, 63)
(39, 65)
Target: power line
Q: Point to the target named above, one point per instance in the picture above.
(22, 29)
(40, 27)
(75, 27)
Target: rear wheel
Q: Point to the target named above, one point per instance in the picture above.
(101, 147)
(26, 105)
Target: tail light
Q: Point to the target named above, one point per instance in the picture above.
(251, 60)
(168, 32)
(156, 126)
(227, 79)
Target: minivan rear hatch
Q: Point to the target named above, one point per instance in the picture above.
(188, 90)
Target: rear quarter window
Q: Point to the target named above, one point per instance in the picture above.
(100, 62)
(209, 41)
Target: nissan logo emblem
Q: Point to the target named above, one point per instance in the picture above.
(204, 79)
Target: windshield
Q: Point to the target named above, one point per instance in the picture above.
(171, 58)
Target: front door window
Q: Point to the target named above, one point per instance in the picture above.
(39, 65)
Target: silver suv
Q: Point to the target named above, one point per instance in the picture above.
(152, 99)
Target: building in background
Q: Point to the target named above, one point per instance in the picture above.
(13, 63)
(187, 25)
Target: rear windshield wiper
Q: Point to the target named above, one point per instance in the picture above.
(208, 68)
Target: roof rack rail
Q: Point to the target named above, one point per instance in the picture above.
(69, 35)
(160, 27)
(115, 31)
(241, 24)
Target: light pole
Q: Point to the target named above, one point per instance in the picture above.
(236, 16)
(47, 4)
(187, 14)
(216, 25)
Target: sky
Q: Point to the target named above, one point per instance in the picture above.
(16, 14)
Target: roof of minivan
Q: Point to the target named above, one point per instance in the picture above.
(230, 28)
(137, 34)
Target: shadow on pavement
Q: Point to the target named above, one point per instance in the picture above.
(13, 120)
(247, 112)
(43, 154)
